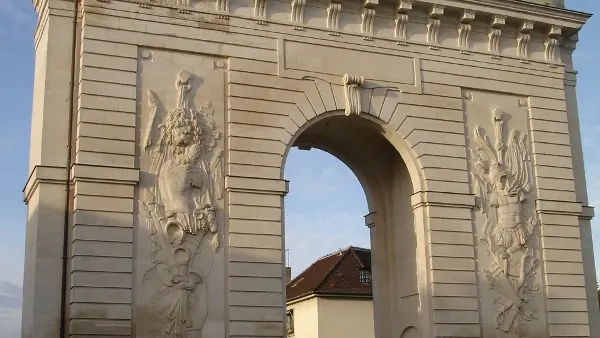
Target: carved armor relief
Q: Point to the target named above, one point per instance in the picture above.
(181, 216)
(506, 224)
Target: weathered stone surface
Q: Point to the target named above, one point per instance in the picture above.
(460, 122)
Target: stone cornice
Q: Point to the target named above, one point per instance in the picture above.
(520, 10)
(43, 174)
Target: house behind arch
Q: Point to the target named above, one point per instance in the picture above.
(333, 297)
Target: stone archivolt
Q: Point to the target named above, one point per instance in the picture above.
(502, 178)
(180, 208)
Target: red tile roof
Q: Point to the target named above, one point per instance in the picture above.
(334, 274)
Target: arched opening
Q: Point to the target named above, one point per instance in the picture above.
(365, 147)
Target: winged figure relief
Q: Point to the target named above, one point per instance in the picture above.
(502, 178)
(180, 207)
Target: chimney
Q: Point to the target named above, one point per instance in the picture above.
(288, 274)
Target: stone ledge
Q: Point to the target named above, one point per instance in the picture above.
(43, 174)
(370, 220)
(256, 185)
(95, 173)
(587, 212)
(432, 198)
(558, 208)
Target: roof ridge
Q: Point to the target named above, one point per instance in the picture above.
(345, 252)
(359, 248)
(358, 258)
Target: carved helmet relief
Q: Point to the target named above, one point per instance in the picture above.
(502, 177)
(180, 208)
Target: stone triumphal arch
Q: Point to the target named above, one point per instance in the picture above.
(161, 127)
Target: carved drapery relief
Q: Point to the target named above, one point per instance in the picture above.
(433, 27)
(333, 18)
(551, 44)
(404, 7)
(352, 86)
(368, 18)
(222, 7)
(260, 11)
(502, 178)
(180, 208)
(297, 15)
(494, 36)
(464, 31)
(523, 41)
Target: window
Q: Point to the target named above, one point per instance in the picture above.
(365, 276)
(290, 322)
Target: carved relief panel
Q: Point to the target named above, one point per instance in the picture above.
(506, 224)
(180, 261)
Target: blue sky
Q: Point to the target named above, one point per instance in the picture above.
(325, 207)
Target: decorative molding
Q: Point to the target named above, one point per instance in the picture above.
(523, 41)
(433, 27)
(503, 182)
(352, 87)
(464, 31)
(551, 45)
(222, 7)
(220, 64)
(297, 15)
(180, 208)
(404, 7)
(333, 18)
(468, 95)
(368, 18)
(260, 11)
(522, 102)
(498, 23)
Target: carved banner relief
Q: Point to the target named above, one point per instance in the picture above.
(506, 224)
(180, 229)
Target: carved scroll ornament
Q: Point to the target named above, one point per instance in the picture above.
(352, 86)
(503, 183)
(180, 208)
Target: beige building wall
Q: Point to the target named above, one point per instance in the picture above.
(184, 112)
(319, 317)
(306, 318)
(351, 318)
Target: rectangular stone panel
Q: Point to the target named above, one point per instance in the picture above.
(181, 236)
(506, 224)
(302, 56)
